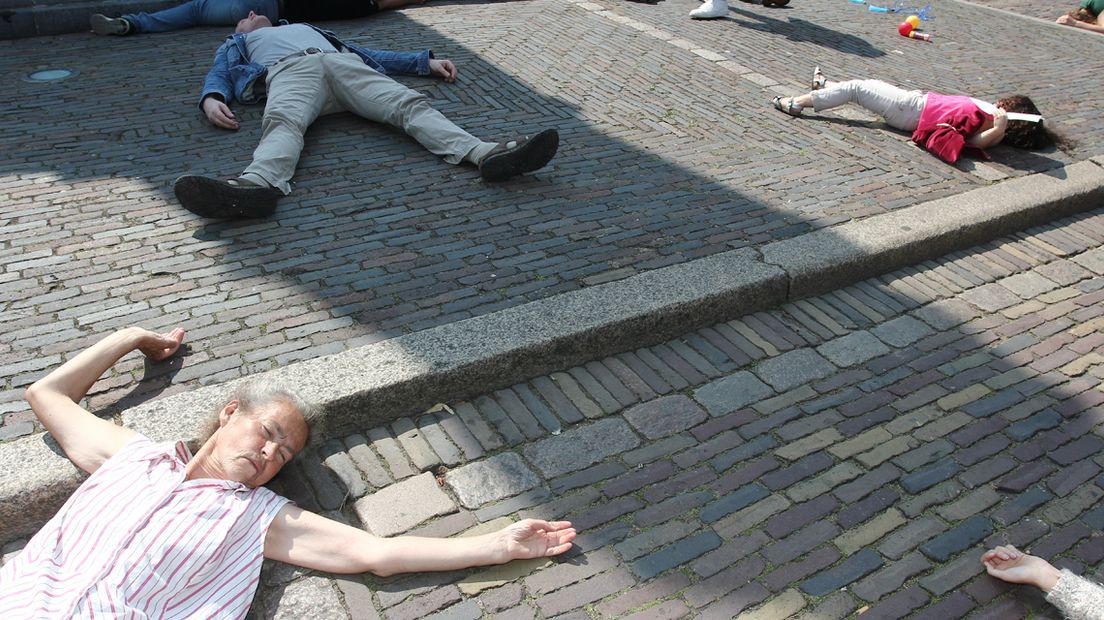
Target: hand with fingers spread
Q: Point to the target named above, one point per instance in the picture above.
(534, 538)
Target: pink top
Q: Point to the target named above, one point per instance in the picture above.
(137, 540)
(946, 123)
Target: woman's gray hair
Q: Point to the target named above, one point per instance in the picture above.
(256, 393)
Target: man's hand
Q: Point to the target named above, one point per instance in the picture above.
(442, 68)
(1012, 565)
(1065, 20)
(220, 114)
(534, 538)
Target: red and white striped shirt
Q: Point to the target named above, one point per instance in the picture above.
(137, 540)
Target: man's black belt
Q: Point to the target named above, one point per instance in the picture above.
(306, 52)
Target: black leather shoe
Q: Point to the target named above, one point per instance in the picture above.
(510, 159)
(222, 199)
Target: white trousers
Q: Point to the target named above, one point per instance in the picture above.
(901, 108)
(303, 88)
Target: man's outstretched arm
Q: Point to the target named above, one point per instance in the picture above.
(302, 538)
(87, 440)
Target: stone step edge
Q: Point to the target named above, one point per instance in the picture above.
(375, 384)
(36, 18)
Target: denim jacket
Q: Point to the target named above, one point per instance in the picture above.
(233, 75)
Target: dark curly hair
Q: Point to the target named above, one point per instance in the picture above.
(1025, 134)
(1083, 15)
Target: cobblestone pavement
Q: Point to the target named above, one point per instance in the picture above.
(670, 152)
(852, 453)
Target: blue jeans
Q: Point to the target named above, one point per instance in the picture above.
(202, 13)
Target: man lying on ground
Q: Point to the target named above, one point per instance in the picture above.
(157, 532)
(228, 12)
(305, 72)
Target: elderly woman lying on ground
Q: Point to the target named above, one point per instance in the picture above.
(157, 532)
(1076, 597)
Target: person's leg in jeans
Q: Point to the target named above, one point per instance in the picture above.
(200, 13)
(298, 93)
(367, 93)
(901, 108)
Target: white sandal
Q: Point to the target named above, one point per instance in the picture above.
(790, 108)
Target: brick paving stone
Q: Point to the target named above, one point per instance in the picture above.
(924, 454)
(728, 504)
(833, 607)
(585, 592)
(800, 568)
(717, 586)
(397, 508)
(497, 423)
(913, 533)
(939, 494)
(581, 446)
(890, 577)
(886, 450)
(899, 604)
(1025, 476)
(956, 605)
(341, 464)
(860, 511)
(735, 549)
(951, 575)
(579, 398)
(638, 597)
(659, 358)
(825, 482)
(851, 569)
(1016, 507)
(533, 405)
(494, 478)
(604, 373)
(447, 452)
(854, 348)
(861, 486)
(785, 400)
(671, 507)
(799, 470)
(735, 602)
(731, 393)
(969, 505)
(994, 444)
(678, 553)
(414, 445)
(800, 542)
(1070, 478)
(855, 539)
(1060, 540)
(927, 477)
(960, 537)
(800, 515)
(665, 416)
(459, 434)
(901, 331)
(793, 368)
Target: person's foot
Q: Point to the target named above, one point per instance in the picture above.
(712, 9)
(104, 25)
(819, 81)
(516, 157)
(787, 105)
(224, 199)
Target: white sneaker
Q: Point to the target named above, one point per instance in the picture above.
(712, 9)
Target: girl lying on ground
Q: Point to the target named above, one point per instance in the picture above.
(941, 124)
